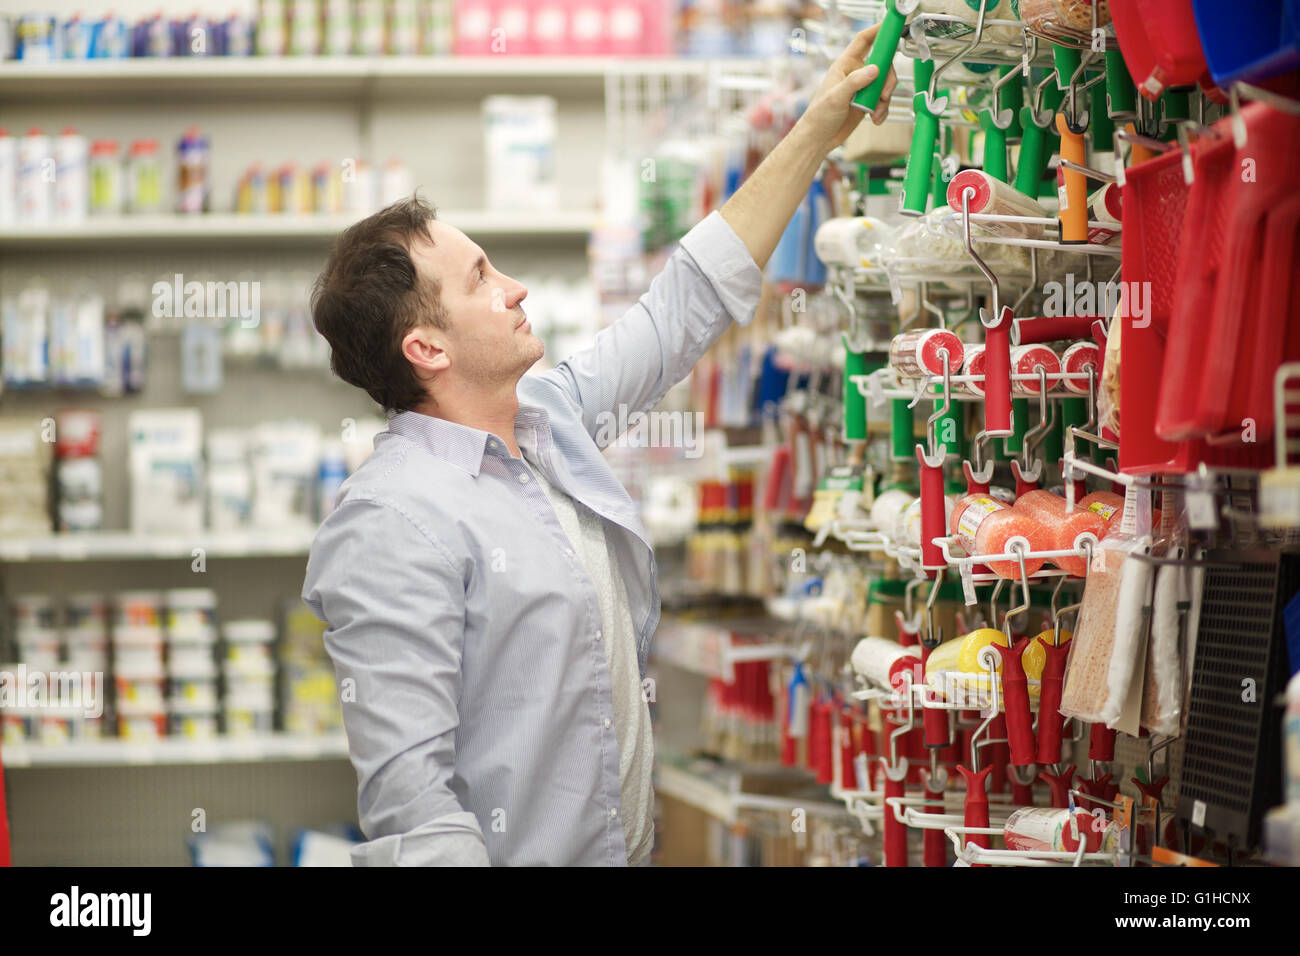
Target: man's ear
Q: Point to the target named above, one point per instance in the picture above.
(425, 348)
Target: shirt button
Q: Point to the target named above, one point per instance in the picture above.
(523, 478)
(606, 723)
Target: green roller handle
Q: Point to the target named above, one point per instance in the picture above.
(1177, 106)
(916, 185)
(995, 147)
(881, 56)
(1120, 93)
(902, 444)
(939, 195)
(1053, 441)
(1067, 60)
(950, 429)
(1019, 425)
(1074, 412)
(1012, 97)
(1100, 124)
(855, 403)
(922, 72)
(1033, 156)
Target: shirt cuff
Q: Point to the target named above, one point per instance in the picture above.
(727, 264)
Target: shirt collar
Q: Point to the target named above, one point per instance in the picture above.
(461, 445)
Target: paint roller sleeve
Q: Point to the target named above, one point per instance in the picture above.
(985, 525)
(1067, 529)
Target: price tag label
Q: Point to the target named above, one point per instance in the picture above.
(967, 581)
(876, 389)
(1201, 513)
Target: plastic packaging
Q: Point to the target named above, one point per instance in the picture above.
(882, 661)
(1066, 19)
(1067, 529)
(1162, 695)
(996, 198)
(144, 177)
(853, 242)
(1048, 829)
(1027, 360)
(1106, 653)
(1077, 358)
(916, 353)
(1105, 205)
(985, 525)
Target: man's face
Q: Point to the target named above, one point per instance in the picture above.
(489, 341)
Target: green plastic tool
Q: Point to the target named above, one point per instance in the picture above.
(881, 56)
(901, 440)
(995, 147)
(1053, 439)
(1012, 97)
(925, 132)
(1037, 143)
(1120, 93)
(1019, 425)
(855, 403)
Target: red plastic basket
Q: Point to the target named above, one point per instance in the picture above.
(1160, 44)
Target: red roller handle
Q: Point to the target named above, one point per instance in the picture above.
(1060, 786)
(1153, 790)
(934, 844)
(777, 491)
(1049, 703)
(1022, 794)
(1015, 697)
(1023, 484)
(1094, 788)
(999, 754)
(1036, 329)
(976, 806)
(934, 520)
(826, 753)
(895, 837)
(1101, 743)
(997, 375)
(973, 487)
(848, 775)
(813, 757)
(938, 728)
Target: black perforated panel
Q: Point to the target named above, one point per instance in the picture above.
(1231, 759)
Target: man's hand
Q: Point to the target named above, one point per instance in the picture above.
(763, 205)
(831, 116)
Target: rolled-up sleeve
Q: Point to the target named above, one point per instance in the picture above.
(709, 281)
(394, 606)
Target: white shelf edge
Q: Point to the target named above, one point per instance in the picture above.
(539, 223)
(334, 68)
(175, 751)
(107, 545)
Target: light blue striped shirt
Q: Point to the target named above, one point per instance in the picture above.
(464, 630)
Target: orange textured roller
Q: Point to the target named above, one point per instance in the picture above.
(985, 525)
(1111, 508)
(1066, 529)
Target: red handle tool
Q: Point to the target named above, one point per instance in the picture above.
(1049, 703)
(1060, 786)
(1015, 698)
(976, 806)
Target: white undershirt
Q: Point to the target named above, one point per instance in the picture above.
(586, 532)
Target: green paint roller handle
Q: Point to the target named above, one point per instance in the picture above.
(881, 57)
(901, 442)
(1120, 95)
(920, 161)
(995, 147)
(1033, 155)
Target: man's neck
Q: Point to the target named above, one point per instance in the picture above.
(492, 413)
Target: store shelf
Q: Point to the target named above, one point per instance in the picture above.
(124, 545)
(217, 227)
(116, 753)
(328, 77)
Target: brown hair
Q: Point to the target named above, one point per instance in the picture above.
(370, 295)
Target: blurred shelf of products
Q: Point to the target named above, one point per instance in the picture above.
(929, 599)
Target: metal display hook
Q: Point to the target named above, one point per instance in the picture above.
(938, 105)
(1003, 119)
(1021, 608)
(967, 194)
